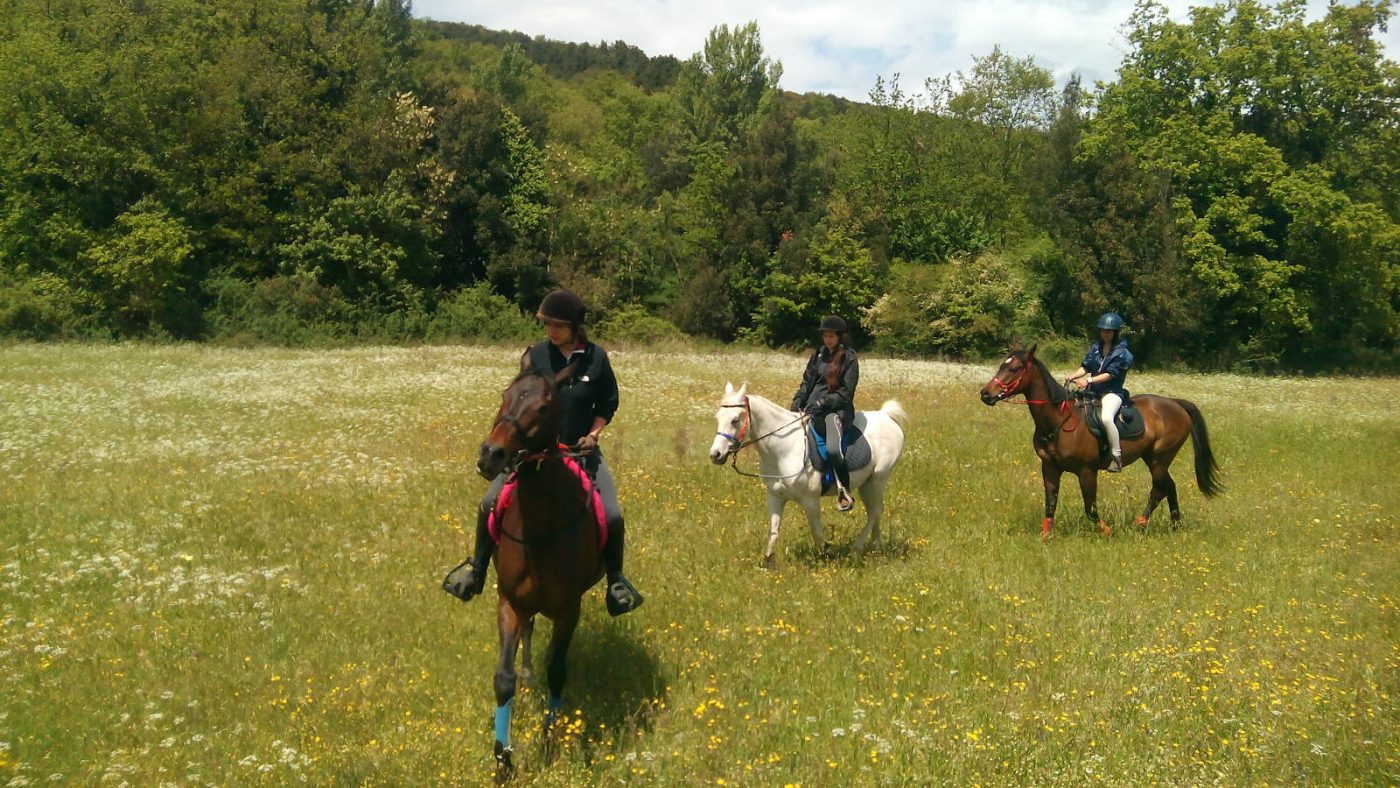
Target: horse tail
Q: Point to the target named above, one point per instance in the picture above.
(896, 412)
(1207, 472)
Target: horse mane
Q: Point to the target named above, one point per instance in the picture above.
(1057, 392)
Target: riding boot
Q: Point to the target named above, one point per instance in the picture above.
(1115, 464)
(844, 501)
(468, 578)
(621, 596)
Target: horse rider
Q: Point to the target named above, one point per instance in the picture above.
(588, 400)
(827, 396)
(1110, 360)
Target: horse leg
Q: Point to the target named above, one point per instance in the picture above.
(1162, 487)
(872, 495)
(1050, 474)
(558, 671)
(527, 635)
(510, 626)
(775, 520)
(1089, 488)
(812, 507)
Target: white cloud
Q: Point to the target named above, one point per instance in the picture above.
(840, 46)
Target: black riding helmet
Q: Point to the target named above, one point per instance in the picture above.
(833, 323)
(563, 305)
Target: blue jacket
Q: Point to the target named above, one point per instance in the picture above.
(1117, 365)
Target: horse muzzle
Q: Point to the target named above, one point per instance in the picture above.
(492, 461)
(989, 398)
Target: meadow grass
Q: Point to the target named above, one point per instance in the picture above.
(223, 566)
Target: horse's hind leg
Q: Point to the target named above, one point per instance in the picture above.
(510, 626)
(1162, 487)
(872, 495)
(1089, 488)
(527, 636)
(558, 671)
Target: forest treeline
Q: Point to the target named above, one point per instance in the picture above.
(333, 170)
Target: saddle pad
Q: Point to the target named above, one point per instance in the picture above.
(857, 448)
(1129, 420)
(507, 496)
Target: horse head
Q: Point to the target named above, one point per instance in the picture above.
(732, 423)
(1014, 376)
(526, 424)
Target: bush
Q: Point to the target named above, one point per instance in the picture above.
(633, 323)
(46, 307)
(280, 310)
(477, 312)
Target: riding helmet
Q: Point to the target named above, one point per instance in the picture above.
(1111, 321)
(833, 323)
(563, 305)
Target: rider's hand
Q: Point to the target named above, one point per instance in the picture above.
(587, 444)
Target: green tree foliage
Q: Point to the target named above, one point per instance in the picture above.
(1261, 125)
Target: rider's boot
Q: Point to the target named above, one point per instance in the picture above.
(1115, 464)
(844, 501)
(469, 577)
(621, 596)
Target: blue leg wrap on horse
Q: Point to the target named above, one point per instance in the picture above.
(503, 723)
(552, 711)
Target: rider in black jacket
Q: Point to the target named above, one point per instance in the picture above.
(588, 399)
(827, 394)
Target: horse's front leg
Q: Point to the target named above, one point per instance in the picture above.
(1089, 487)
(510, 626)
(812, 507)
(1050, 474)
(775, 520)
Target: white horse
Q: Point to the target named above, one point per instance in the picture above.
(745, 419)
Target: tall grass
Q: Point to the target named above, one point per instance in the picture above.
(222, 566)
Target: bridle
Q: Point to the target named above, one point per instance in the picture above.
(1009, 390)
(737, 441)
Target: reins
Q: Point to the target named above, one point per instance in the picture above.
(1066, 407)
(524, 457)
(737, 442)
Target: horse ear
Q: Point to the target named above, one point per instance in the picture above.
(1031, 353)
(743, 389)
(728, 388)
(525, 360)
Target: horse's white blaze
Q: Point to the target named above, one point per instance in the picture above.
(782, 459)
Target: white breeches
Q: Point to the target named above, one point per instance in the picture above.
(1108, 409)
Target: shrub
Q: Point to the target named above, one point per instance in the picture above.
(477, 312)
(46, 307)
(633, 323)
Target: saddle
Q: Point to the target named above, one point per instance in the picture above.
(595, 501)
(1129, 421)
(853, 445)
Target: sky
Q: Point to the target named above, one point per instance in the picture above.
(840, 46)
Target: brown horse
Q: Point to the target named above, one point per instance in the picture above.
(1064, 443)
(549, 553)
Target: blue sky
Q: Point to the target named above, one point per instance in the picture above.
(839, 46)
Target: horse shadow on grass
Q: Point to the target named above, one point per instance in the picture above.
(1077, 525)
(614, 681)
(841, 552)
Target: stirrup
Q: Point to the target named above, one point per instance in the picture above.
(1115, 465)
(622, 597)
(844, 501)
(464, 584)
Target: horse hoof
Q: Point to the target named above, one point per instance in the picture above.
(1045, 527)
(1140, 522)
(504, 768)
(769, 561)
(1104, 529)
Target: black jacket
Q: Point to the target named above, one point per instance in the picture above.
(814, 390)
(589, 392)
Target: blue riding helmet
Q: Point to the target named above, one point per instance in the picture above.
(1111, 321)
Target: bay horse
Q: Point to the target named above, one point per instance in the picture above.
(549, 553)
(779, 436)
(1064, 443)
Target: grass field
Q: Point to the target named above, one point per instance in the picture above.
(223, 566)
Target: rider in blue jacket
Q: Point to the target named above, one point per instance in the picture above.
(1106, 365)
